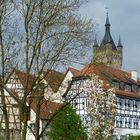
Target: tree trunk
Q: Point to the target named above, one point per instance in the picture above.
(6, 118)
(37, 127)
(24, 120)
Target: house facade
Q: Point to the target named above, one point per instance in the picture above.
(127, 117)
(107, 62)
(43, 99)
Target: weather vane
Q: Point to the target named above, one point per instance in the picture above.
(106, 10)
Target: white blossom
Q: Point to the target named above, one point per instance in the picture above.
(101, 108)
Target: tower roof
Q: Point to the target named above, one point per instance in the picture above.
(107, 37)
(119, 43)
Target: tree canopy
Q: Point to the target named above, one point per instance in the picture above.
(67, 125)
(134, 137)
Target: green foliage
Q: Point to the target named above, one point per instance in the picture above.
(134, 137)
(67, 125)
(1, 138)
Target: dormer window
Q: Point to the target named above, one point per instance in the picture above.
(128, 87)
(134, 88)
(116, 85)
(139, 89)
(122, 85)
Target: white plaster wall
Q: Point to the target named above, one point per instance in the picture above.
(30, 135)
(64, 85)
(57, 96)
(126, 131)
(49, 94)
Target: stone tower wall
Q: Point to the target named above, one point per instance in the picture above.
(107, 55)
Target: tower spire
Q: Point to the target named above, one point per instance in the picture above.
(107, 37)
(95, 41)
(107, 19)
(119, 42)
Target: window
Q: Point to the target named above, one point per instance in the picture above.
(85, 120)
(138, 89)
(83, 103)
(126, 123)
(116, 85)
(123, 137)
(127, 104)
(32, 127)
(75, 103)
(119, 103)
(119, 122)
(122, 85)
(131, 104)
(135, 105)
(134, 88)
(69, 83)
(136, 123)
(114, 137)
(130, 123)
(86, 102)
(128, 87)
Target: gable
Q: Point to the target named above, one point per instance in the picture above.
(54, 79)
(13, 110)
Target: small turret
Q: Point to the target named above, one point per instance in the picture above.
(95, 42)
(119, 43)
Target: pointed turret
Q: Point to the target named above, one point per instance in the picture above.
(107, 37)
(95, 42)
(119, 43)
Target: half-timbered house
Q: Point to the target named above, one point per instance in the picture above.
(127, 85)
(107, 62)
(14, 93)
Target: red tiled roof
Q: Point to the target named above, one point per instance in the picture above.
(107, 74)
(54, 79)
(47, 108)
(22, 77)
(75, 72)
(128, 94)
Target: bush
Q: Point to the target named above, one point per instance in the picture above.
(134, 137)
(67, 125)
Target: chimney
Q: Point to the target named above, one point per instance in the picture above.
(134, 75)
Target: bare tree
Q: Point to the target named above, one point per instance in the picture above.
(53, 35)
(7, 53)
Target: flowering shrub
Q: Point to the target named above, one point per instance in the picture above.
(101, 108)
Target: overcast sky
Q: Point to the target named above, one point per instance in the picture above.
(124, 16)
